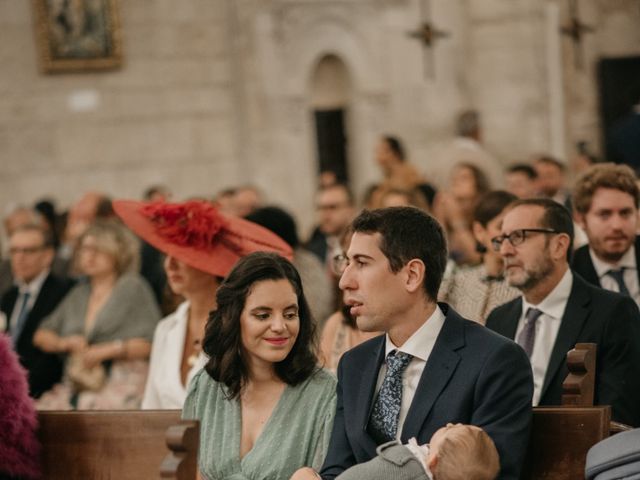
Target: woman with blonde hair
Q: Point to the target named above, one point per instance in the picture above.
(103, 326)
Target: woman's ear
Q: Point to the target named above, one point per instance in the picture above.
(415, 271)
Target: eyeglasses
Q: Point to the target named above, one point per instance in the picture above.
(517, 237)
(25, 250)
(339, 264)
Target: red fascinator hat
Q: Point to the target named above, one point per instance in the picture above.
(197, 234)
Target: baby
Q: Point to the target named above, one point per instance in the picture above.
(455, 452)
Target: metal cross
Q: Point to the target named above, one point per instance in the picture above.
(576, 30)
(428, 34)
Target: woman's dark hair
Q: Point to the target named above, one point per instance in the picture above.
(223, 340)
(482, 182)
(491, 205)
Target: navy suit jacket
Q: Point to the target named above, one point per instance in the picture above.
(592, 315)
(583, 265)
(473, 376)
(44, 369)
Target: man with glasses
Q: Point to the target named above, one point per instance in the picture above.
(559, 309)
(35, 294)
(334, 207)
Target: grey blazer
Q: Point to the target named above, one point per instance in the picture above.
(394, 461)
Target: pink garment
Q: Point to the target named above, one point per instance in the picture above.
(19, 446)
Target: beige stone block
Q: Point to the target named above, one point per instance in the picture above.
(123, 143)
(26, 148)
(14, 12)
(215, 137)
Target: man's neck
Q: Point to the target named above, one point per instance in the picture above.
(410, 321)
(539, 292)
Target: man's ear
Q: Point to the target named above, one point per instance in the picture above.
(579, 219)
(415, 271)
(561, 243)
(478, 231)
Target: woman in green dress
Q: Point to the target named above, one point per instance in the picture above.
(265, 408)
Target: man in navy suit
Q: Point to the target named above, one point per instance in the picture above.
(36, 293)
(559, 309)
(452, 369)
(606, 200)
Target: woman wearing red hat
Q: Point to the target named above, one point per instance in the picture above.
(201, 246)
(265, 407)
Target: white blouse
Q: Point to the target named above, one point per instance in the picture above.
(164, 389)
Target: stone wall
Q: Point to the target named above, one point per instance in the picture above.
(166, 116)
(220, 92)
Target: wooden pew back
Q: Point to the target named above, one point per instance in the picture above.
(118, 445)
(562, 436)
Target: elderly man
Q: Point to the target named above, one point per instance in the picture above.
(36, 293)
(559, 309)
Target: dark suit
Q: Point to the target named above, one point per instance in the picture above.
(44, 369)
(592, 315)
(473, 376)
(583, 265)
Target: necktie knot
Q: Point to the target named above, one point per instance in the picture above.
(397, 362)
(532, 315)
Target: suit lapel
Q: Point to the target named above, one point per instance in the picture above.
(571, 325)
(367, 390)
(439, 368)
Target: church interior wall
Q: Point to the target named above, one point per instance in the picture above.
(218, 92)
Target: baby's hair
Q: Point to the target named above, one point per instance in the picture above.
(466, 453)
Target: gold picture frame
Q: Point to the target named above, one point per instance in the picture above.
(78, 35)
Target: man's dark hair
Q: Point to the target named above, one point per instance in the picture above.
(408, 233)
(395, 144)
(556, 217)
(341, 186)
(47, 237)
(278, 221)
(491, 205)
(549, 160)
(525, 169)
(223, 337)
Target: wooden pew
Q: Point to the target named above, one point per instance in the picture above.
(119, 445)
(561, 436)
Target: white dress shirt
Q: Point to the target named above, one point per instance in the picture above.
(33, 288)
(419, 345)
(630, 274)
(547, 326)
(164, 389)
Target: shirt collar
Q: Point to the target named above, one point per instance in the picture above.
(555, 302)
(627, 261)
(34, 286)
(421, 343)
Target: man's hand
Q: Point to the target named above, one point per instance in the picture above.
(72, 344)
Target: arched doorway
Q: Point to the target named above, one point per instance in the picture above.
(330, 96)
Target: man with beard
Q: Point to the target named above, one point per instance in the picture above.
(559, 309)
(606, 205)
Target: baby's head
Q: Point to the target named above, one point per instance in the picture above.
(462, 452)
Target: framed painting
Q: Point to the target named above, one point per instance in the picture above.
(77, 35)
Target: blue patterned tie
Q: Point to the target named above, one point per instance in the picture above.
(383, 424)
